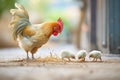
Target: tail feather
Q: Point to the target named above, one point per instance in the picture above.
(20, 19)
(20, 7)
(18, 28)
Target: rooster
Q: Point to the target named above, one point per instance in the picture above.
(29, 36)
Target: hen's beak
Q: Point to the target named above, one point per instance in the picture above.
(60, 33)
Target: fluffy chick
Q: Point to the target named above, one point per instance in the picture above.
(67, 55)
(81, 55)
(95, 54)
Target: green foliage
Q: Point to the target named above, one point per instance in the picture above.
(6, 5)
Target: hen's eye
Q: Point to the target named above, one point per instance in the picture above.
(55, 28)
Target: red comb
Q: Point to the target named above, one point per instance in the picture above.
(60, 23)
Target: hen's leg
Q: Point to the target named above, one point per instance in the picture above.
(27, 55)
(33, 56)
(33, 52)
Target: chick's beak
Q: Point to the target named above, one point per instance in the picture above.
(89, 57)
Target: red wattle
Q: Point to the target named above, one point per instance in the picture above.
(55, 33)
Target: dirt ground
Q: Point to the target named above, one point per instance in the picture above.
(109, 69)
(14, 67)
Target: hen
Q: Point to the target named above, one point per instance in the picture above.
(30, 37)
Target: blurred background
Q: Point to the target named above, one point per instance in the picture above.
(88, 24)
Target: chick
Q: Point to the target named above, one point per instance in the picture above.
(81, 55)
(67, 55)
(95, 54)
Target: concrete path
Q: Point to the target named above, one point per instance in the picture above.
(109, 69)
